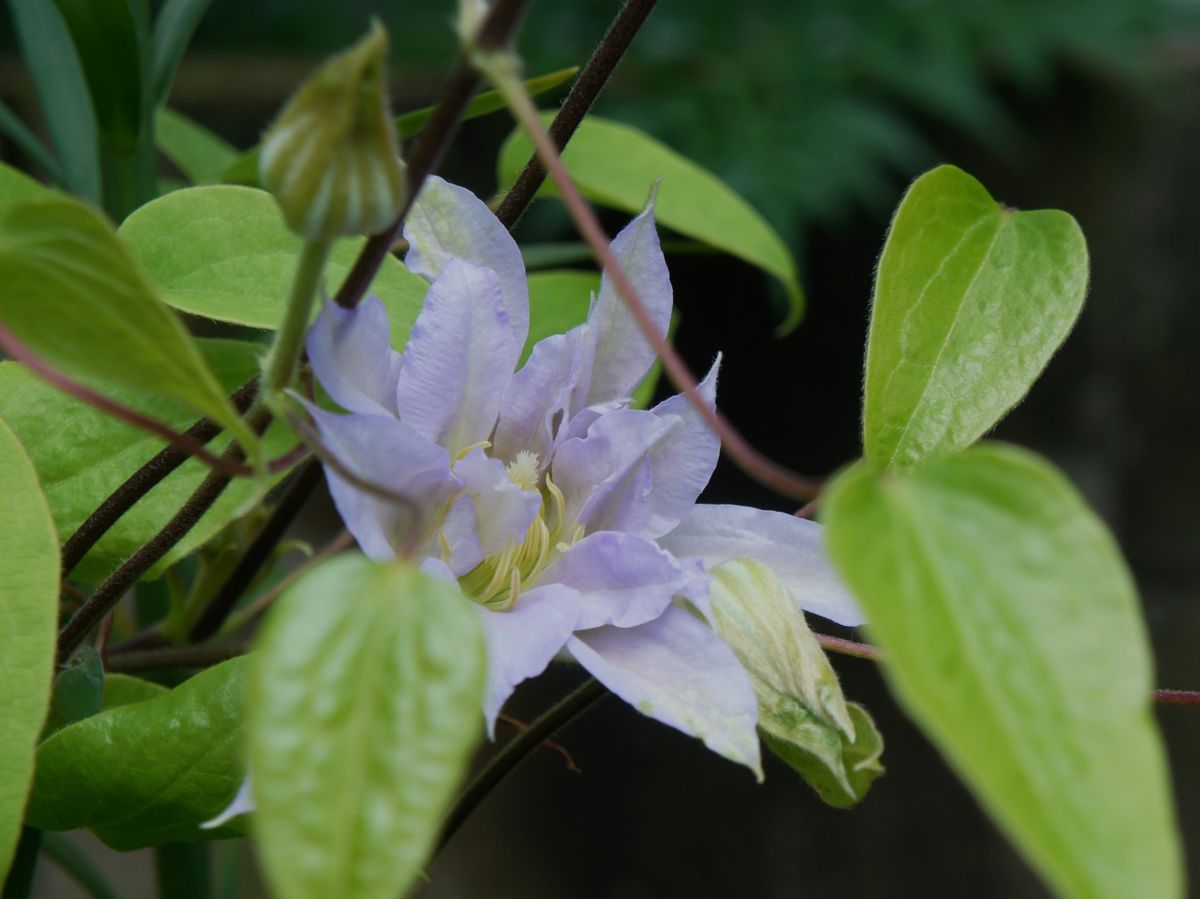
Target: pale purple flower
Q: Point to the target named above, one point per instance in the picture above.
(567, 516)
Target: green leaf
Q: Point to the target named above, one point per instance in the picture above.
(971, 301)
(82, 455)
(558, 301)
(223, 252)
(62, 89)
(245, 169)
(194, 150)
(75, 295)
(16, 186)
(29, 144)
(411, 123)
(365, 706)
(616, 165)
(173, 28)
(29, 598)
(112, 39)
(151, 772)
(107, 37)
(1013, 637)
(802, 714)
(122, 689)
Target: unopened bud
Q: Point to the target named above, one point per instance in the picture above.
(331, 158)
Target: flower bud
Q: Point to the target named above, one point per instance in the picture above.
(331, 157)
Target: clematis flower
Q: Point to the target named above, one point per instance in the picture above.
(568, 517)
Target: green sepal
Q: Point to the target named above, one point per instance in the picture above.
(802, 715)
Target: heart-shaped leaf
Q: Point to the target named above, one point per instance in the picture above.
(971, 301)
(1013, 637)
(149, 772)
(28, 616)
(366, 703)
(71, 291)
(223, 252)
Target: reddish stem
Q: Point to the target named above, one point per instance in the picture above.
(764, 470)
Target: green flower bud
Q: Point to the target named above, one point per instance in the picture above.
(331, 158)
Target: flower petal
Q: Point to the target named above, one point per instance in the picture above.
(537, 402)
(793, 548)
(621, 355)
(682, 459)
(623, 580)
(503, 511)
(638, 471)
(522, 640)
(449, 222)
(459, 360)
(607, 476)
(383, 451)
(677, 671)
(352, 356)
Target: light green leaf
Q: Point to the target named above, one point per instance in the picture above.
(245, 169)
(150, 772)
(1013, 637)
(365, 706)
(615, 165)
(802, 714)
(194, 150)
(558, 301)
(223, 252)
(28, 618)
(63, 94)
(74, 294)
(971, 301)
(82, 455)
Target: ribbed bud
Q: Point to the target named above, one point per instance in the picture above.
(331, 158)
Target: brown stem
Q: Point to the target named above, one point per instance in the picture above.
(257, 554)
(587, 86)
(142, 482)
(109, 593)
(174, 657)
(497, 30)
(762, 469)
(850, 647)
(1177, 697)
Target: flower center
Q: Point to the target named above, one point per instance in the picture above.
(496, 582)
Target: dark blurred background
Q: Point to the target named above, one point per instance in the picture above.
(819, 112)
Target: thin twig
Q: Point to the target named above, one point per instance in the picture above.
(587, 86)
(175, 657)
(875, 654)
(850, 647)
(1177, 697)
(109, 593)
(497, 30)
(257, 554)
(18, 350)
(516, 751)
(263, 602)
(142, 482)
(762, 469)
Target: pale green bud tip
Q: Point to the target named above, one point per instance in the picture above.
(331, 158)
